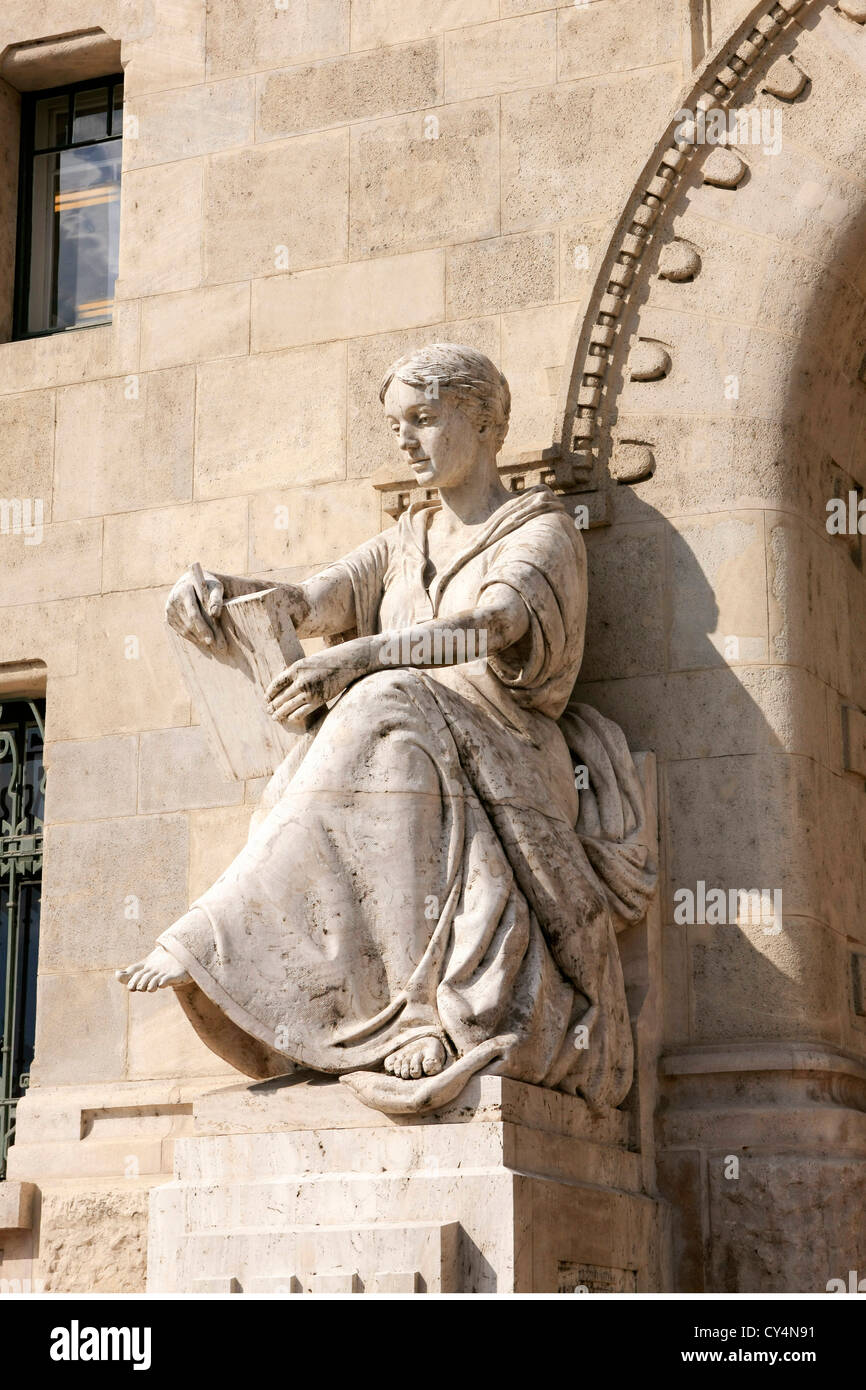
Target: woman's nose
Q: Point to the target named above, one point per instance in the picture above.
(408, 438)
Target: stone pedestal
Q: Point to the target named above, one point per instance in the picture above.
(294, 1186)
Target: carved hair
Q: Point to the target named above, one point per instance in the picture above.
(463, 371)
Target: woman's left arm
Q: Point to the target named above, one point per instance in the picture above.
(500, 621)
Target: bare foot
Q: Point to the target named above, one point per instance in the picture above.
(160, 968)
(422, 1057)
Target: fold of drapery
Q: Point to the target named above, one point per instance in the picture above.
(611, 822)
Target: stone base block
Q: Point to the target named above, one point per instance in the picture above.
(294, 1186)
(16, 1206)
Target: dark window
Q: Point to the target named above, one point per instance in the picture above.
(22, 795)
(69, 206)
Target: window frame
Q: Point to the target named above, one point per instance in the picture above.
(26, 155)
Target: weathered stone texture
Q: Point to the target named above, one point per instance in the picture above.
(94, 1241)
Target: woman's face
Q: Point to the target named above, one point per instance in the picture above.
(442, 442)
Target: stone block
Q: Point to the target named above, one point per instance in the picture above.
(311, 526)
(369, 441)
(191, 121)
(124, 679)
(749, 983)
(617, 35)
(43, 631)
(784, 1225)
(625, 633)
(167, 52)
(717, 712)
(716, 289)
(277, 207)
(713, 464)
(810, 300)
(547, 174)
(72, 1261)
(357, 87)
(80, 1028)
(195, 326)
(709, 373)
(851, 629)
(376, 23)
(243, 37)
(16, 1205)
(124, 443)
(105, 350)
(271, 420)
(59, 560)
(110, 888)
(27, 447)
(348, 301)
(91, 779)
(534, 347)
(481, 59)
(177, 771)
(718, 590)
(581, 245)
(215, 837)
(490, 277)
(803, 628)
(421, 180)
(142, 550)
(162, 1044)
(744, 822)
(161, 229)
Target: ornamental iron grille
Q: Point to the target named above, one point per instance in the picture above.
(22, 797)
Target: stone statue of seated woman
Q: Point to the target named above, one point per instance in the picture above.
(424, 893)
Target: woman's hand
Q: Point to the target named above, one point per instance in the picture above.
(193, 608)
(314, 680)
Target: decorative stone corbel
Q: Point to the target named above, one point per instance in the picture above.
(785, 80)
(649, 360)
(679, 261)
(723, 168)
(632, 461)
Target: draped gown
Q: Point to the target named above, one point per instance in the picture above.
(416, 868)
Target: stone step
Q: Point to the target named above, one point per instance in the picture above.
(412, 1257)
(296, 1154)
(308, 1101)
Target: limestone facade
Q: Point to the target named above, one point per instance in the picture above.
(308, 191)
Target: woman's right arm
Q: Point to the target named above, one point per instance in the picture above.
(319, 607)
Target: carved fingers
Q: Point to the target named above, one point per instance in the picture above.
(311, 682)
(193, 608)
(298, 691)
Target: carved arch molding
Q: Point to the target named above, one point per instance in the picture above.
(732, 288)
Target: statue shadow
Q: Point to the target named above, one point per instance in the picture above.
(657, 664)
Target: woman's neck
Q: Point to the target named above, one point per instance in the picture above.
(474, 500)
